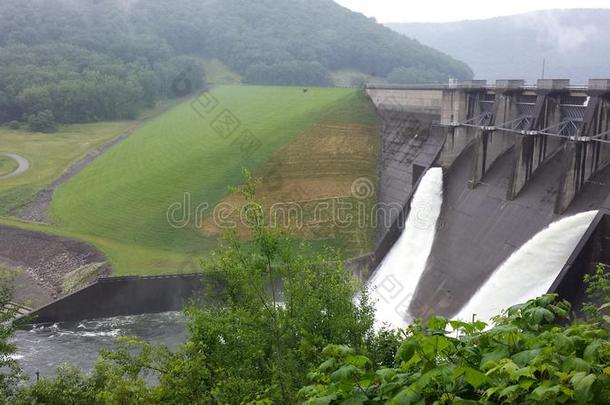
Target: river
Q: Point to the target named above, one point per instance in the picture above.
(45, 347)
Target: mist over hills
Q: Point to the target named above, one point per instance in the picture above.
(575, 44)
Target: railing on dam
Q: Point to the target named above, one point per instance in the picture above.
(465, 85)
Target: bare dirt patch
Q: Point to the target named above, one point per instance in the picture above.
(317, 171)
(45, 260)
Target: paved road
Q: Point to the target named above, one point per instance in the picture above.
(23, 165)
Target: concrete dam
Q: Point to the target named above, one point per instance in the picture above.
(515, 159)
(478, 170)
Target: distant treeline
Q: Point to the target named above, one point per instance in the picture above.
(66, 61)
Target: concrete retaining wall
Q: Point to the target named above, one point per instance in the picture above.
(121, 296)
(593, 248)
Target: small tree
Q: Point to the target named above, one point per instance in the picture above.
(255, 338)
(597, 309)
(280, 307)
(42, 121)
(10, 373)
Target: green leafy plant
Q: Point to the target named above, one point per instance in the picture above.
(597, 309)
(10, 372)
(526, 357)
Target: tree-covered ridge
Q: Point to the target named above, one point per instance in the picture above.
(86, 60)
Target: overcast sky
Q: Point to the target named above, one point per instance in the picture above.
(453, 10)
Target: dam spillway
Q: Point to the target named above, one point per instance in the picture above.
(516, 158)
(530, 271)
(393, 284)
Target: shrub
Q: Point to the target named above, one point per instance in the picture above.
(42, 121)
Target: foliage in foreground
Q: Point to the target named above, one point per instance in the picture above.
(10, 372)
(254, 345)
(527, 357)
(249, 343)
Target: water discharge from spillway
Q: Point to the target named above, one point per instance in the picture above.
(45, 347)
(393, 285)
(530, 271)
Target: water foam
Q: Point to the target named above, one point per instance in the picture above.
(393, 284)
(530, 271)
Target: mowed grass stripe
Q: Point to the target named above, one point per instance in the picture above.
(124, 195)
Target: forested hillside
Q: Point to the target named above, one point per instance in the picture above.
(65, 61)
(574, 44)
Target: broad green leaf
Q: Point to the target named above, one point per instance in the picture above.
(546, 390)
(345, 373)
(510, 392)
(473, 377)
(437, 323)
(526, 383)
(356, 399)
(358, 361)
(407, 350)
(407, 396)
(337, 350)
(327, 365)
(575, 364)
(525, 357)
(480, 325)
(538, 314)
(491, 359)
(433, 345)
(591, 353)
(465, 326)
(386, 373)
(582, 386)
(322, 401)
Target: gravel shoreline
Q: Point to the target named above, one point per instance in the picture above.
(44, 261)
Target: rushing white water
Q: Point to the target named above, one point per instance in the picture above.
(45, 347)
(530, 271)
(394, 283)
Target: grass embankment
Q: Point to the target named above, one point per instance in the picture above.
(49, 156)
(120, 202)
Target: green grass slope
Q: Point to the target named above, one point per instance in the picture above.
(121, 200)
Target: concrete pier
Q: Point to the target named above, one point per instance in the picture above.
(588, 151)
(491, 143)
(459, 105)
(533, 149)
